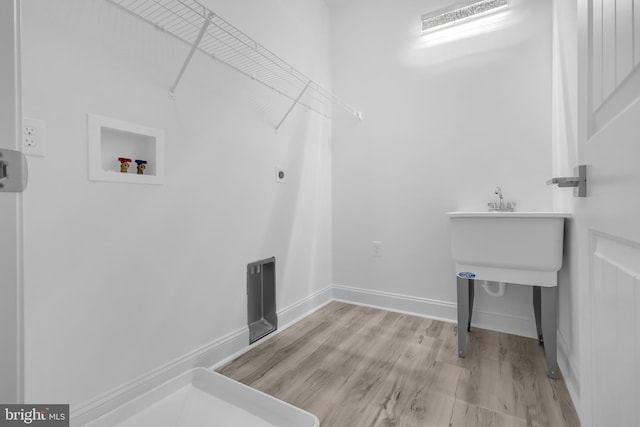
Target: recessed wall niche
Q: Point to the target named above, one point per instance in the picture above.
(112, 139)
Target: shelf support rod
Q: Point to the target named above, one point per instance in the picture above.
(293, 105)
(196, 43)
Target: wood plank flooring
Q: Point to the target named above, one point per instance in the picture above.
(356, 366)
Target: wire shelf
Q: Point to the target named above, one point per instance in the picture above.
(193, 23)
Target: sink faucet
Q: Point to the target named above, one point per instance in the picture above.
(498, 191)
(500, 206)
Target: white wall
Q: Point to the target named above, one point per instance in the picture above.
(446, 122)
(121, 279)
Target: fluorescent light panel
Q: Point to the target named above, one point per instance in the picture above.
(432, 21)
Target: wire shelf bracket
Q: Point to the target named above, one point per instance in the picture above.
(207, 33)
(194, 47)
(292, 106)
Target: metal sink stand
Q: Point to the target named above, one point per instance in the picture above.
(545, 305)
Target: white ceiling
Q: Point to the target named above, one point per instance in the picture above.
(334, 3)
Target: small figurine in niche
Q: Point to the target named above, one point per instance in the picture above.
(124, 164)
(141, 166)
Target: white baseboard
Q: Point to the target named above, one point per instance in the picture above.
(569, 369)
(214, 354)
(524, 326)
(298, 310)
(435, 309)
(416, 306)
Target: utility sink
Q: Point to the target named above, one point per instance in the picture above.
(512, 247)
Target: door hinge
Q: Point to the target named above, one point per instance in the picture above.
(13, 171)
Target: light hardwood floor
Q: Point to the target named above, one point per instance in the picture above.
(356, 366)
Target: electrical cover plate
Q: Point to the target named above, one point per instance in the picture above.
(33, 137)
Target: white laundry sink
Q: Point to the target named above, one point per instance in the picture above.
(511, 247)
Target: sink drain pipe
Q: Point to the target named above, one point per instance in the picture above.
(489, 288)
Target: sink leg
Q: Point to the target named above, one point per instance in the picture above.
(536, 312)
(472, 293)
(465, 307)
(549, 301)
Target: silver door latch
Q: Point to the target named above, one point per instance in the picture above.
(579, 182)
(13, 171)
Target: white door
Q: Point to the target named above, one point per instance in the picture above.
(10, 211)
(608, 220)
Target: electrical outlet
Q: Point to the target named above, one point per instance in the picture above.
(33, 137)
